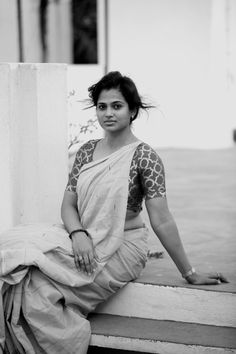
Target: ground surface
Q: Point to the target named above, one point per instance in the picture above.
(201, 192)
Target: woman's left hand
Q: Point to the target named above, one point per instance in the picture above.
(206, 279)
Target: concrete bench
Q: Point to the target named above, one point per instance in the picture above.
(154, 317)
(158, 336)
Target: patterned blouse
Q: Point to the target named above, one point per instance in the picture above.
(146, 177)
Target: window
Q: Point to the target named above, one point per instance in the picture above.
(84, 22)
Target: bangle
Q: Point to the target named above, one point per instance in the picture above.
(78, 230)
(190, 272)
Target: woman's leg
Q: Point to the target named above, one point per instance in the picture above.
(48, 317)
(39, 321)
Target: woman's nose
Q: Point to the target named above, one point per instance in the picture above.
(109, 112)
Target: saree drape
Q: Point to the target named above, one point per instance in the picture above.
(102, 191)
(44, 300)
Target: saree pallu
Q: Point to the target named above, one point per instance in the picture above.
(102, 191)
(44, 300)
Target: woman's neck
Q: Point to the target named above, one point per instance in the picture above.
(118, 140)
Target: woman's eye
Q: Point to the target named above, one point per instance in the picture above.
(117, 106)
(101, 107)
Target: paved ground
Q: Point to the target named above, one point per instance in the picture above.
(201, 190)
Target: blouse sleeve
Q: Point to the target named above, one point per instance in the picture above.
(74, 174)
(152, 173)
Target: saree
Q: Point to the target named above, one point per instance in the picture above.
(44, 300)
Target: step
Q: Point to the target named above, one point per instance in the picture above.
(158, 336)
(173, 303)
(148, 299)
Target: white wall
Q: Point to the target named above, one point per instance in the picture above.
(175, 50)
(79, 78)
(33, 139)
(9, 51)
(58, 27)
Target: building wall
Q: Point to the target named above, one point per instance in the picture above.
(33, 142)
(176, 52)
(58, 32)
(181, 54)
(9, 51)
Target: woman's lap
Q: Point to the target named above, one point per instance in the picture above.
(45, 312)
(124, 266)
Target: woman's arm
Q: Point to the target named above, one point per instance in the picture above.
(82, 244)
(165, 228)
(69, 213)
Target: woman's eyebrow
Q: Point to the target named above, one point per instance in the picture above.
(101, 102)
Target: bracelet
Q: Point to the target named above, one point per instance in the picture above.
(78, 230)
(190, 272)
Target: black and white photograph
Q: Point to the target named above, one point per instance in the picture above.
(118, 176)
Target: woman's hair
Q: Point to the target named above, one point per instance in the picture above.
(114, 80)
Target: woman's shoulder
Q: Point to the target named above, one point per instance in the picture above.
(145, 150)
(84, 152)
(88, 146)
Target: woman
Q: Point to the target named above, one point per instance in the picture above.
(51, 282)
(117, 105)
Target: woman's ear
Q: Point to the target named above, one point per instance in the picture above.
(133, 113)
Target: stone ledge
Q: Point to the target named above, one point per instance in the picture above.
(172, 303)
(156, 336)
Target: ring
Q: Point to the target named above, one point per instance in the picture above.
(80, 258)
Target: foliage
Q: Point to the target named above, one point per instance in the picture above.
(78, 130)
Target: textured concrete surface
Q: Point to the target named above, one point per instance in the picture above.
(167, 331)
(201, 192)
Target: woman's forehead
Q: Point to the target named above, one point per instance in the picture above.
(112, 95)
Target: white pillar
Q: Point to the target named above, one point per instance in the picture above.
(9, 48)
(6, 200)
(36, 159)
(32, 48)
(59, 36)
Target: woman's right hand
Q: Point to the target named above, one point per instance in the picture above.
(206, 279)
(84, 252)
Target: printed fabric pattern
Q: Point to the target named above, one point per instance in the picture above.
(146, 177)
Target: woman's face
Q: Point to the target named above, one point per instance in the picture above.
(113, 111)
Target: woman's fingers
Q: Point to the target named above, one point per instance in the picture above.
(219, 276)
(92, 261)
(78, 259)
(208, 279)
(85, 263)
(84, 253)
(223, 279)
